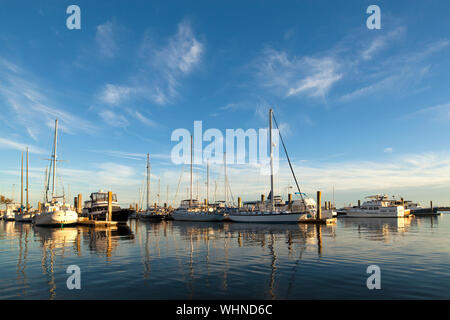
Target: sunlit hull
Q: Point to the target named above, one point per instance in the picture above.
(360, 214)
(56, 218)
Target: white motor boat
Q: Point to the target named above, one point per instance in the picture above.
(378, 206)
(10, 212)
(56, 214)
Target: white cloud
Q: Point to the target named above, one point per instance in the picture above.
(104, 38)
(10, 144)
(292, 76)
(113, 119)
(388, 150)
(114, 94)
(29, 104)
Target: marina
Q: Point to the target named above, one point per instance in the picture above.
(219, 260)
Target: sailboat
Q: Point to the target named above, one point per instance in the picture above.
(151, 213)
(55, 212)
(273, 210)
(192, 210)
(24, 214)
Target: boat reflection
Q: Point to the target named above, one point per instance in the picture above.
(379, 229)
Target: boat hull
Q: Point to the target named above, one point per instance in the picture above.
(56, 218)
(374, 215)
(268, 218)
(194, 216)
(120, 216)
(23, 218)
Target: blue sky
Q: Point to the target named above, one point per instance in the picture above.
(365, 111)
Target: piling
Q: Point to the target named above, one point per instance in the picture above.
(239, 202)
(79, 203)
(205, 202)
(109, 216)
(136, 207)
(431, 206)
(359, 203)
(262, 198)
(319, 205)
(290, 201)
(39, 207)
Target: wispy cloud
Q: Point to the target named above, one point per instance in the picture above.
(113, 119)
(105, 41)
(30, 105)
(291, 76)
(11, 144)
(162, 69)
(114, 94)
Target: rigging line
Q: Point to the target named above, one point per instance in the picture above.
(178, 187)
(289, 161)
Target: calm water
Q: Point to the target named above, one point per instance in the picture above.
(182, 260)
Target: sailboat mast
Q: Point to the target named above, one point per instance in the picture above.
(192, 154)
(225, 176)
(207, 182)
(21, 182)
(27, 181)
(54, 160)
(271, 160)
(148, 181)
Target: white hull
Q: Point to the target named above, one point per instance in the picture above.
(9, 216)
(196, 216)
(56, 218)
(23, 217)
(356, 214)
(268, 217)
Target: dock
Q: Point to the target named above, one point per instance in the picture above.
(318, 221)
(95, 223)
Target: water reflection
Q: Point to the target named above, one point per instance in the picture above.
(193, 260)
(379, 229)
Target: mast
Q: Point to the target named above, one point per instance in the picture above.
(55, 141)
(225, 177)
(21, 182)
(190, 200)
(27, 180)
(271, 160)
(148, 181)
(207, 182)
(159, 191)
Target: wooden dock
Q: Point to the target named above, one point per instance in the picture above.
(318, 221)
(95, 223)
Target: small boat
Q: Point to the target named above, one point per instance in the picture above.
(97, 208)
(55, 212)
(378, 206)
(418, 210)
(190, 210)
(155, 213)
(274, 210)
(10, 212)
(24, 214)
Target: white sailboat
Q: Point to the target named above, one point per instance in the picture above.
(268, 211)
(55, 212)
(191, 210)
